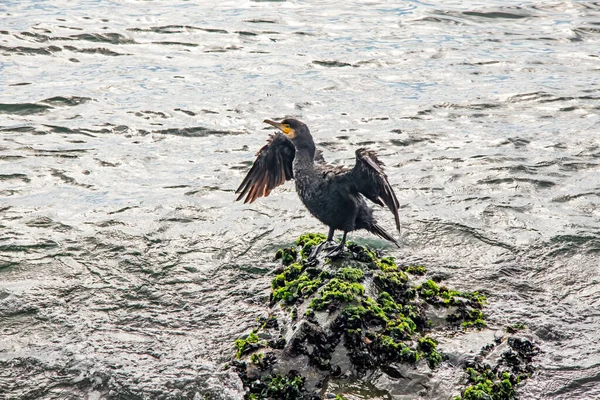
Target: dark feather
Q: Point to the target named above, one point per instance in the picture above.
(371, 181)
(335, 195)
(272, 167)
(379, 231)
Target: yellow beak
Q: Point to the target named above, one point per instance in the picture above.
(282, 127)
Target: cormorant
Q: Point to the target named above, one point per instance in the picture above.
(334, 195)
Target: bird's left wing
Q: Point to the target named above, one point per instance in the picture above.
(371, 181)
(272, 167)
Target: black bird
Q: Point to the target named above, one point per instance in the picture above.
(334, 195)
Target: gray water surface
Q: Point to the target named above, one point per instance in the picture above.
(126, 268)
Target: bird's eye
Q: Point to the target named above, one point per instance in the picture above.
(286, 126)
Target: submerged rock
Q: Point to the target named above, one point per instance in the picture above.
(364, 325)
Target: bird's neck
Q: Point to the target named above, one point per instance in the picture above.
(305, 149)
(304, 164)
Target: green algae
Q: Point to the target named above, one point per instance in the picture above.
(277, 387)
(363, 315)
(500, 382)
(394, 339)
(287, 255)
(441, 295)
(250, 343)
(392, 280)
(468, 304)
(487, 385)
(401, 328)
(397, 310)
(350, 274)
(471, 318)
(415, 270)
(395, 283)
(298, 288)
(335, 292)
(308, 241)
(391, 350)
(428, 346)
(296, 282)
(385, 263)
(361, 253)
(477, 324)
(388, 304)
(257, 358)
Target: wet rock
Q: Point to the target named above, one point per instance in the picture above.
(363, 321)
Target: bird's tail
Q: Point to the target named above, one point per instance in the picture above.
(379, 231)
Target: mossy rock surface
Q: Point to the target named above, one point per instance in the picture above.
(363, 318)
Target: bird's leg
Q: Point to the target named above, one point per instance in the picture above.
(318, 249)
(338, 250)
(330, 235)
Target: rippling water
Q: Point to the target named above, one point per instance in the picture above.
(125, 127)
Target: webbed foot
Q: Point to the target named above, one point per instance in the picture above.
(317, 250)
(337, 252)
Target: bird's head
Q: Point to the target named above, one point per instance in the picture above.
(292, 128)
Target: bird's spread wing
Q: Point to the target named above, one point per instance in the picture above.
(272, 167)
(371, 181)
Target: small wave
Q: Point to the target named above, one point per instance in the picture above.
(66, 153)
(532, 96)
(100, 50)
(261, 21)
(23, 108)
(188, 112)
(28, 248)
(30, 51)
(37, 37)
(177, 44)
(497, 14)
(67, 179)
(120, 210)
(112, 38)
(331, 64)
(42, 106)
(222, 49)
(409, 141)
(12, 177)
(439, 19)
(568, 197)
(45, 222)
(10, 158)
(175, 29)
(66, 101)
(536, 182)
(475, 106)
(468, 17)
(195, 131)
(566, 244)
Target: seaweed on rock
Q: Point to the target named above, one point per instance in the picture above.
(348, 317)
(512, 365)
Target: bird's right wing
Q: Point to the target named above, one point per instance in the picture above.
(272, 167)
(369, 179)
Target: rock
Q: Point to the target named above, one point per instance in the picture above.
(362, 321)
